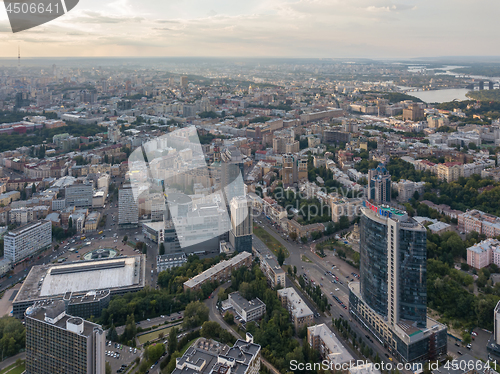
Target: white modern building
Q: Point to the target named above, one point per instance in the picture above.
(26, 240)
(128, 209)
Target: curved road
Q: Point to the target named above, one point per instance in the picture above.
(214, 315)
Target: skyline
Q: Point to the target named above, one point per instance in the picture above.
(378, 29)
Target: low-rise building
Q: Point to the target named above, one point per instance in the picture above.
(299, 311)
(248, 310)
(207, 356)
(439, 228)
(169, 261)
(323, 340)
(269, 265)
(484, 253)
(220, 272)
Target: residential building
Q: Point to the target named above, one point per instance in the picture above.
(480, 222)
(27, 240)
(407, 189)
(5, 266)
(413, 113)
(298, 309)
(58, 343)
(268, 263)
(484, 253)
(220, 272)
(240, 236)
(248, 310)
(323, 340)
(379, 185)
(391, 298)
(449, 171)
(128, 209)
(440, 228)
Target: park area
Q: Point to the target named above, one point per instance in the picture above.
(16, 368)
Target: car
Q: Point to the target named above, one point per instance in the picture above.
(341, 316)
(148, 320)
(474, 333)
(130, 349)
(469, 346)
(458, 345)
(460, 353)
(135, 350)
(119, 370)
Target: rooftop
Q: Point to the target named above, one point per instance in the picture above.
(209, 273)
(298, 306)
(44, 281)
(244, 303)
(338, 353)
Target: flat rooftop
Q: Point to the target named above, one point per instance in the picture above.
(209, 273)
(338, 353)
(45, 281)
(299, 307)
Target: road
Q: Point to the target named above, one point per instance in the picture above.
(214, 315)
(315, 270)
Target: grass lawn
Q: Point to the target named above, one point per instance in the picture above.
(13, 369)
(153, 335)
(270, 241)
(305, 258)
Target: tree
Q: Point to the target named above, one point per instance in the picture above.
(112, 334)
(294, 270)
(330, 228)
(172, 340)
(125, 238)
(210, 330)
(229, 318)
(416, 195)
(303, 239)
(162, 249)
(33, 188)
(195, 314)
(70, 222)
(293, 236)
(281, 257)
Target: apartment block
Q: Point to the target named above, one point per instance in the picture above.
(220, 272)
(480, 222)
(128, 209)
(26, 240)
(484, 253)
(323, 340)
(58, 343)
(298, 309)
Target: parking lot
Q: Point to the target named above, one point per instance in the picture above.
(118, 355)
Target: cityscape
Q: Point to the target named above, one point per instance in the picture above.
(205, 208)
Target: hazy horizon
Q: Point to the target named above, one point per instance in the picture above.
(377, 29)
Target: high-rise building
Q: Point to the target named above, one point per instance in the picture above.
(57, 343)
(391, 298)
(241, 232)
(232, 174)
(184, 81)
(413, 113)
(26, 240)
(128, 209)
(379, 185)
(294, 169)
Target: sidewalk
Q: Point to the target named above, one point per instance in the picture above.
(12, 360)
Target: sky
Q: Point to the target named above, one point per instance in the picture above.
(263, 28)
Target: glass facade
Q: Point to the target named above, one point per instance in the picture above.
(413, 276)
(373, 270)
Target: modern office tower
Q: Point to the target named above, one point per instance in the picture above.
(232, 174)
(240, 236)
(184, 81)
(379, 185)
(26, 240)
(391, 298)
(128, 209)
(57, 343)
(79, 195)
